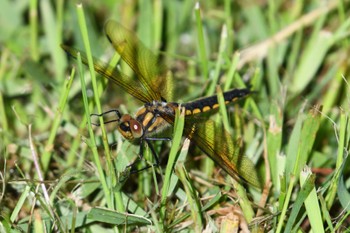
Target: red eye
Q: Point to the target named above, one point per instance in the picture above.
(130, 128)
(136, 128)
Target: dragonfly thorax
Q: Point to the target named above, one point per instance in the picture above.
(150, 116)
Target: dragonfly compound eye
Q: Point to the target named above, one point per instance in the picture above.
(130, 128)
(124, 127)
(136, 128)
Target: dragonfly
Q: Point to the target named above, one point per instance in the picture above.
(152, 86)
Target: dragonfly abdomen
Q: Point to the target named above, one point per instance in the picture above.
(211, 102)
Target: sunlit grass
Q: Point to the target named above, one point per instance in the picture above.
(294, 126)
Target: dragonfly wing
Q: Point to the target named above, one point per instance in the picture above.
(153, 75)
(218, 144)
(113, 74)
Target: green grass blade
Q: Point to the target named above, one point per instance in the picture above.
(52, 38)
(293, 148)
(34, 30)
(112, 217)
(192, 198)
(308, 136)
(3, 118)
(176, 141)
(19, 204)
(92, 137)
(46, 157)
(340, 158)
(274, 140)
(343, 192)
(308, 186)
(201, 42)
(311, 204)
(219, 62)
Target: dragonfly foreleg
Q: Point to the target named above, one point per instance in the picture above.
(106, 113)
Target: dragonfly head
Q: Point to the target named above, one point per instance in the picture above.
(130, 128)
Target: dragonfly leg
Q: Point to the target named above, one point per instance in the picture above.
(153, 151)
(155, 156)
(105, 113)
(140, 157)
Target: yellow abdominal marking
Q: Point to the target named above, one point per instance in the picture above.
(215, 106)
(196, 110)
(206, 108)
